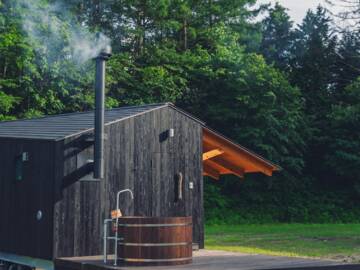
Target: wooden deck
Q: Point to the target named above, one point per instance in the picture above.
(214, 260)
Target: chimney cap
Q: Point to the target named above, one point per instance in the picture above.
(105, 53)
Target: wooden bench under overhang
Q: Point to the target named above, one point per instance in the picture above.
(222, 156)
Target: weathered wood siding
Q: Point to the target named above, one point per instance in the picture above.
(149, 162)
(20, 232)
(138, 155)
(76, 210)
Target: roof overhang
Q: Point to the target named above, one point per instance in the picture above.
(222, 156)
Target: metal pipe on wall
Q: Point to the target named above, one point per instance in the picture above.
(101, 59)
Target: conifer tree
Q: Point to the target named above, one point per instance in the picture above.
(277, 37)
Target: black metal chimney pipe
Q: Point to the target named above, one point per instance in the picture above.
(101, 59)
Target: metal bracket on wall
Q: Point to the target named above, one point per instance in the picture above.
(90, 138)
(90, 180)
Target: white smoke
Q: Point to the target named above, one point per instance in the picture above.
(54, 30)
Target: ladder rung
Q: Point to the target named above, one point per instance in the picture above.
(114, 238)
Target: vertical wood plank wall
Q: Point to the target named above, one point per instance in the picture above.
(77, 205)
(139, 156)
(20, 232)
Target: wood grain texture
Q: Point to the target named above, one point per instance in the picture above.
(139, 154)
(155, 240)
(77, 215)
(214, 260)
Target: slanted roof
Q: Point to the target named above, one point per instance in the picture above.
(61, 126)
(220, 155)
(223, 156)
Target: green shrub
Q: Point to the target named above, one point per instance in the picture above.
(229, 201)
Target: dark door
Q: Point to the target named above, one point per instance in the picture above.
(170, 196)
(32, 203)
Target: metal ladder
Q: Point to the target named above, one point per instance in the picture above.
(106, 238)
(115, 238)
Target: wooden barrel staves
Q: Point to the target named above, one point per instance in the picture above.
(155, 240)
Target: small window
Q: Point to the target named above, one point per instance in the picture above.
(19, 164)
(19, 168)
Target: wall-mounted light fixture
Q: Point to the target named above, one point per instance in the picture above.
(25, 156)
(171, 132)
(19, 165)
(191, 185)
(39, 215)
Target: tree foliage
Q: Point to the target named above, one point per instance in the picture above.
(291, 93)
(278, 36)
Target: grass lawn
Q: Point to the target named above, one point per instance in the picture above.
(331, 241)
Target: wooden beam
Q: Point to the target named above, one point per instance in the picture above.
(238, 171)
(209, 171)
(242, 155)
(212, 153)
(217, 167)
(207, 147)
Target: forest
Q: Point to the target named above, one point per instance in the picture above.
(290, 92)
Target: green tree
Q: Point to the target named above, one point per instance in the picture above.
(289, 94)
(347, 65)
(314, 59)
(342, 157)
(314, 71)
(278, 37)
(249, 101)
(16, 58)
(157, 76)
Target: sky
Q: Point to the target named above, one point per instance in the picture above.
(297, 8)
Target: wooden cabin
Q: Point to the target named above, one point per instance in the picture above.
(51, 206)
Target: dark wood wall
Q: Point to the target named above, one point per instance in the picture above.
(20, 232)
(149, 161)
(77, 220)
(141, 156)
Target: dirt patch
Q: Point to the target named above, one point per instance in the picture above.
(347, 259)
(330, 239)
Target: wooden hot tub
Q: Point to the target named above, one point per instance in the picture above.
(155, 240)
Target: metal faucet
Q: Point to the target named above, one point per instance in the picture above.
(118, 196)
(117, 221)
